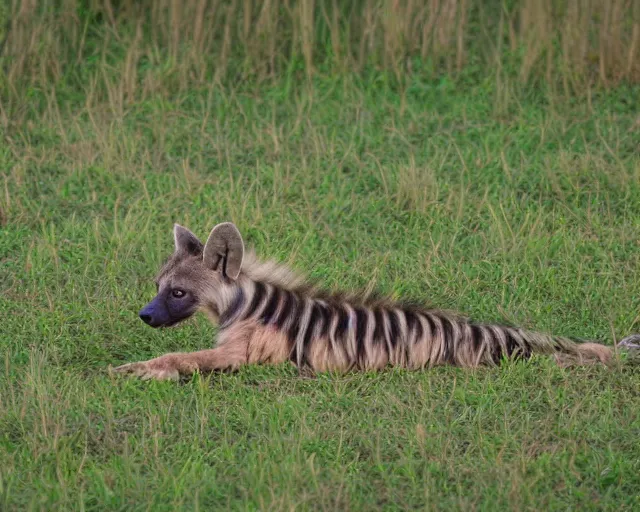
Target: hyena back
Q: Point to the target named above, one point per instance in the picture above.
(268, 314)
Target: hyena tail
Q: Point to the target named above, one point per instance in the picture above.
(594, 352)
(567, 351)
(585, 353)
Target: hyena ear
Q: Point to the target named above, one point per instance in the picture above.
(186, 241)
(224, 250)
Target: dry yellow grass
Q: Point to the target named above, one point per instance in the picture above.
(131, 49)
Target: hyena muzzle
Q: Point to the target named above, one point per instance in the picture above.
(268, 314)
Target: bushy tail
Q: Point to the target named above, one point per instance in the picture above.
(567, 351)
(593, 353)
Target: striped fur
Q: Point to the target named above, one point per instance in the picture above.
(268, 313)
(329, 332)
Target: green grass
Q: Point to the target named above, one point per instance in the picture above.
(502, 206)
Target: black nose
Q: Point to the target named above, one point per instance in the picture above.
(147, 319)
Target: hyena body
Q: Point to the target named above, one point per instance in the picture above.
(268, 314)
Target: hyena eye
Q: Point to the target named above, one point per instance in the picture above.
(177, 293)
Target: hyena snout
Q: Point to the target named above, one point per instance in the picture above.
(146, 318)
(153, 315)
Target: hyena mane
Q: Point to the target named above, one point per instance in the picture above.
(268, 313)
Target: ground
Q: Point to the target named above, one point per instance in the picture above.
(522, 209)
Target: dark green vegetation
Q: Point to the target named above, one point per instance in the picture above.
(473, 191)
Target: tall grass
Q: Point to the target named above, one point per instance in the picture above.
(132, 49)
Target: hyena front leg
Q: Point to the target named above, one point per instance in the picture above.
(230, 355)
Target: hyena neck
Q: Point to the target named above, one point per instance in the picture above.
(260, 301)
(262, 285)
(231, 310)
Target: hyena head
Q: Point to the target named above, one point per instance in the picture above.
(196, 276)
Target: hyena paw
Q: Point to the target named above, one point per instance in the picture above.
(167, 367)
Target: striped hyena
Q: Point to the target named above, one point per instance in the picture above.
(269, 314)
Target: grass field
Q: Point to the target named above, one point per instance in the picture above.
(471, 192)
